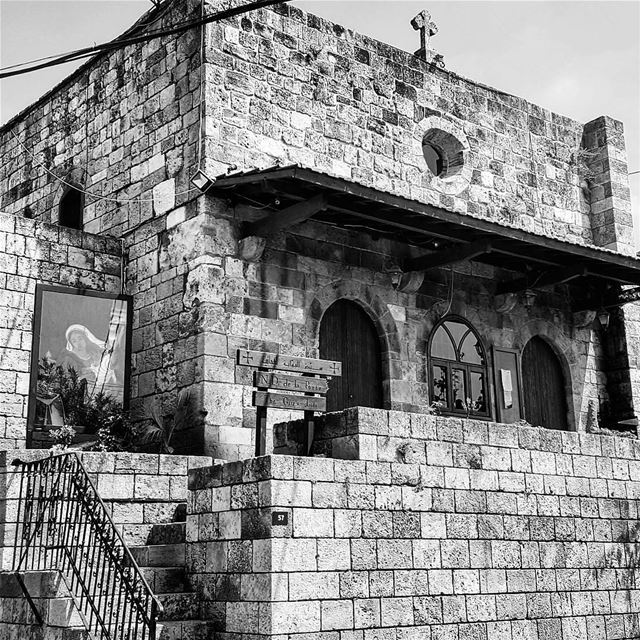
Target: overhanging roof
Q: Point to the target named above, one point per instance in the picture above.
(350, 205)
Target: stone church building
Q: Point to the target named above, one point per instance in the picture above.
(272, 182)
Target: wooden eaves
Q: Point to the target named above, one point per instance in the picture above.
(302, 194)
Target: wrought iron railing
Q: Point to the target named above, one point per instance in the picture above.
(63, 525)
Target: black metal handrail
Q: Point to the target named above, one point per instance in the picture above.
(63, 525)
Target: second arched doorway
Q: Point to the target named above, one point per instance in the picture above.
(544, 389)
(348, 335)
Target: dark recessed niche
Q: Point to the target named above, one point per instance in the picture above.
(70, 210)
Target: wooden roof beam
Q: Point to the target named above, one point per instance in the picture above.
(448, 256)
(608, 300)
(542, 279)
(278, 220)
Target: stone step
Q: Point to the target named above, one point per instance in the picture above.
(14, 631)
(165, 579)
(159, 555)
(40, 584)
(186, 630)
(169, 533)
(179, 606)
(55, 612)
(60, 612)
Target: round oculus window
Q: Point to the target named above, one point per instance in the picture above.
(443, 153)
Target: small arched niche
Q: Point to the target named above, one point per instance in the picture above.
(71, 208)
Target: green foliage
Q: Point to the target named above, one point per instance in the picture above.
(98, 414)
(102, 416)
(62, 438)
(435, 408)
(159, 432)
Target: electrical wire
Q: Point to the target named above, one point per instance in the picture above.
(120, 44)
(201, 101)
(450, 297)
(89, 193)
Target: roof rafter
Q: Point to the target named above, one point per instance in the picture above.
(448, 256)
(279, 220)
(542, 279)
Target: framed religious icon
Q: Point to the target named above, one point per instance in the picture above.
(79, 360)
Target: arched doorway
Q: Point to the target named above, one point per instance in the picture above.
(348, 335)
(545, 401)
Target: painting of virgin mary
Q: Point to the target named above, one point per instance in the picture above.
(91, 359)
(82, 336)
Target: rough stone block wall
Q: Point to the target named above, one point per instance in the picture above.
(603, 165)
(140, 491)
(284, 86)
(481, 531)
(276, 305)
(30, 253)
(124, 127)
(51, 599)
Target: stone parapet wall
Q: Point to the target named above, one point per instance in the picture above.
(484, 531)
(363, 433)
(140, 490)
(39, 253)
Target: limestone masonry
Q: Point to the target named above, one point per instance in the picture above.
(274, 182)
(445, 529)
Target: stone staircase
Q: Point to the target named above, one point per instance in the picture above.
(52, 600)
(162, 562)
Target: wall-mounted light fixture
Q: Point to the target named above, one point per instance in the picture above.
(202, 181)
(395, 273)
(529, 298)
(603, 318)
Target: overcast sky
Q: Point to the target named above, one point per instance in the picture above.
(580, 59)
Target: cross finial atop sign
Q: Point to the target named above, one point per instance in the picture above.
(428, 28)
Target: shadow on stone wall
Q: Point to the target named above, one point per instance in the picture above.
(616, 368)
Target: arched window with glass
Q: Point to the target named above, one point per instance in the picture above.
(458, 369)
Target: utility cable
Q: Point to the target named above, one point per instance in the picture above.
(89, 193)
(120, 44)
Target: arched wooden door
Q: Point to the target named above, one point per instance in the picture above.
(348, 335)
(545, 401)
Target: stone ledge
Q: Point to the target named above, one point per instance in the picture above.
(47, 231)
(356, 433)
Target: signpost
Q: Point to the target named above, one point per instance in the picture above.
(293, 403)
(267, 360)
(312, 383)
(290, 383)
